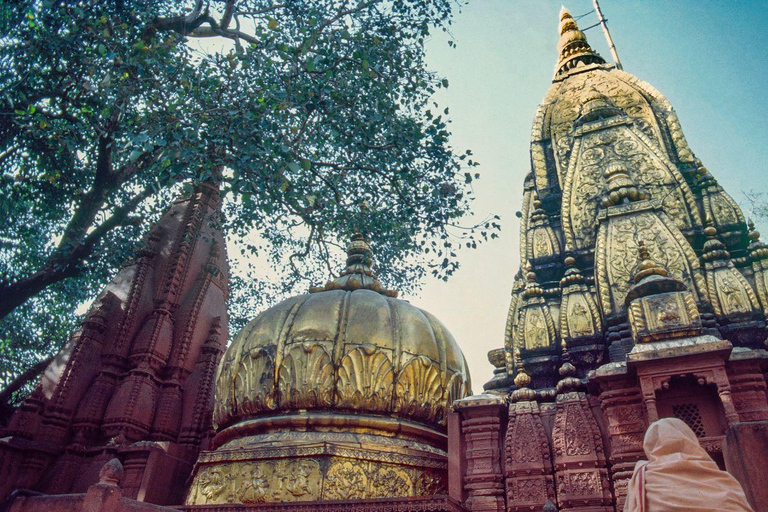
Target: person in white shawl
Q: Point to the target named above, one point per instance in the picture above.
(680, 476)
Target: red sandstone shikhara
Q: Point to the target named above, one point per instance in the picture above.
(642, 295)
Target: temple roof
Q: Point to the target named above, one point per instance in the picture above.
(611, 173)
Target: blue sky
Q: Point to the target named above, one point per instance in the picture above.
(709, 58)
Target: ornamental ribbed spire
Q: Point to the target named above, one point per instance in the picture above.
(358, 273)
(573, 47)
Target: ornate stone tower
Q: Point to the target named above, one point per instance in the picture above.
(135, 381)
(641, 294)
(338, 394)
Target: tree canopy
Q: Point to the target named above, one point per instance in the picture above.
(316, 117)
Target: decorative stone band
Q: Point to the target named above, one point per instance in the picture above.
(429, 504)
(333, 422)
(320, 456)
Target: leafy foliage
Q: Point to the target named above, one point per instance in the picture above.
(314, 115)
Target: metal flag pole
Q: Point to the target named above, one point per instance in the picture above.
(604, 24)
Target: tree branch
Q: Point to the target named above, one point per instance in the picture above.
(62, 265)
(21, 380)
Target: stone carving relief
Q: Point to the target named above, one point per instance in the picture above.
(528, 465)
(616, 254)
(585, 183)
(579, 456)
(576, 440)
(429, 484)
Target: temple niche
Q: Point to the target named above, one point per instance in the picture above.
(642, 293)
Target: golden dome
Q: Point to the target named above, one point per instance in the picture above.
(337, 394)
(350, 346)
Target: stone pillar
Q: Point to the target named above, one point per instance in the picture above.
(746, 457)
(528, 460)
(622, 404)
(748, 385)
(482, 418)
(457, 462)
(581, 473)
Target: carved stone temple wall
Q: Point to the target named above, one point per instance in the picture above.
(135, 381)
(641, 294)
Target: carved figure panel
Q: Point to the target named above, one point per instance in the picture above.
(538, 328)
(579, 316)
(760, 273)
(345, 480)
(729, 291)
(664, 315)
(257, 482)
(390, 481)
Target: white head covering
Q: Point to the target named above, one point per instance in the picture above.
(680, 476)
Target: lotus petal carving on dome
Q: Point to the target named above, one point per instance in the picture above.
(419, 390)
(254, 382)
(455, 390)
(365, 380)
(305, 378)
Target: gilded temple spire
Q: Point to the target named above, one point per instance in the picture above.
(573, 47)
(358, 273)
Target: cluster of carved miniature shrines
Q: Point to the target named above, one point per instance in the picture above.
(642, 294)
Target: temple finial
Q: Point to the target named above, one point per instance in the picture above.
(358, 273)
(573, 47)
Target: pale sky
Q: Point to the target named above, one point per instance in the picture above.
(709, 58)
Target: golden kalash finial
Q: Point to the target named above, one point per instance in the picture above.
(522, 380)
(358, 274)
(572, 46)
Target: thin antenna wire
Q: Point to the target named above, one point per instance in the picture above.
(577, 18)
(607, 33)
